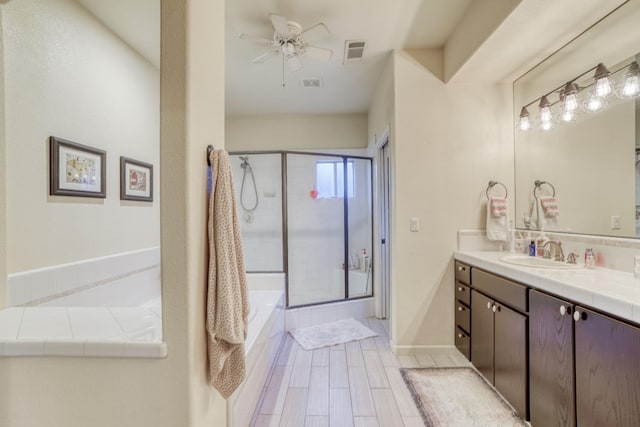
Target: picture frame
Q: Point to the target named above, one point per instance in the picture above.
(76, 170)
(136, 180)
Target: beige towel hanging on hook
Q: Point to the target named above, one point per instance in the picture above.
(227, 301)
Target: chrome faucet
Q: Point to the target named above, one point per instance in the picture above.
(572, 258)
(553, 248)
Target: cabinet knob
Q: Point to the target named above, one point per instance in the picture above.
(460, 289)
(460, 268)
(460, 308)
(489, 305)
(494, 308)
(460, 335)
(577, 316)
(563, 310)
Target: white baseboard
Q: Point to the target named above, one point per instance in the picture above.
(404, 350)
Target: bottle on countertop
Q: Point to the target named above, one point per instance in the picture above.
(589, 258)
(364, 262)
(532, 248)
(542, 239)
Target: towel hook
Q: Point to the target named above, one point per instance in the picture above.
(538, 183)
(209, 150)
(494, 183)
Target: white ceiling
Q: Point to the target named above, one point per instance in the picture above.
(385, 25)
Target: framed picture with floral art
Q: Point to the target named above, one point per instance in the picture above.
(136, 180)
(76, 170)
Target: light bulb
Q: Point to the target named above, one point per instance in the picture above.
(603, 83)
(568, 116)
(631, 82)
(545, 116)
(571, 103)
(595, 103)
(546, 125)
(524, 123)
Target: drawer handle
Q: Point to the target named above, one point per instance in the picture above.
(460, 308)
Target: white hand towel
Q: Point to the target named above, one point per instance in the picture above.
(496, 225)
(540, 220)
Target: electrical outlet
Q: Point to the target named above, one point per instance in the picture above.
(414, 224)
(615, 222)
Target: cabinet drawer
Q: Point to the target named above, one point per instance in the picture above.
(463, 343)
(503, 290)
(463, 273)
(463, 316)
(463, 293)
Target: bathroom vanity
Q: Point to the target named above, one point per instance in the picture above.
(562, 346)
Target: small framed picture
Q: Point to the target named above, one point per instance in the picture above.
(136, 180)
(76, 169)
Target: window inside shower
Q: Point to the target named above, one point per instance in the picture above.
(308, 215)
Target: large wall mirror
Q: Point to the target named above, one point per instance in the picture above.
(577, 164)
(88, 72)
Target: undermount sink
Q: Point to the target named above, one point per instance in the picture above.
(532, 261)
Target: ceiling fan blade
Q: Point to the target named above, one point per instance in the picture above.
(264, 57)
(280, 24)
(316, 33)
(255, 39)
(294, 63)
(318, 53)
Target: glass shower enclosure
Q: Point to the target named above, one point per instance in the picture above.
(308, 215)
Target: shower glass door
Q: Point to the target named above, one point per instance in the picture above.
(359, 203)
(316, 228)
(258, 188)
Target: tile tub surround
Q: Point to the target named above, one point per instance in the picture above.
(124, 279)
(613, 291)
(83, 331)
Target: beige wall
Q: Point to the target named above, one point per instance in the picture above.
(170, 392)
(69, 76)
(291, 132)
(449, 141)
(3, 183)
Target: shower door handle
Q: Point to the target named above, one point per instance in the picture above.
(384, 241)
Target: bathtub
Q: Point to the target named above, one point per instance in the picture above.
(264, 337)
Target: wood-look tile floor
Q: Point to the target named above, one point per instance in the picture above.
(357, 384)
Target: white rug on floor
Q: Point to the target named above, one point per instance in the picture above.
(333, 333)
(458, 397)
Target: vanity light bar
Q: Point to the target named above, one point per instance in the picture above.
(569, 96)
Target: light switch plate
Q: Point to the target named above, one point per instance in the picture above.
(414, 224)
(615, 222)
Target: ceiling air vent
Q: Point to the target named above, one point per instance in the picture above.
(311, 83)
(353, 50)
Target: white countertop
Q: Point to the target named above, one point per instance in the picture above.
(82, 331)
(611, 291)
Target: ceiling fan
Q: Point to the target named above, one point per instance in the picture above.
(292, 43)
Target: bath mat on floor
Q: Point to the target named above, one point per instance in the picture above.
(457, 397)
(332, 333)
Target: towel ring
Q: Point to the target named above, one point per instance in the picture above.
(538, 183)
(492, 184)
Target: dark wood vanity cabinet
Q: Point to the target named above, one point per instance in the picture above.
(499, 336)
(583, 366)
(607, 364)
(551, 361)
(462, 308)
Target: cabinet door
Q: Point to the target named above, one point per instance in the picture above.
(607, 373)
(551, 361)
(482, 334)
(510, 366)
